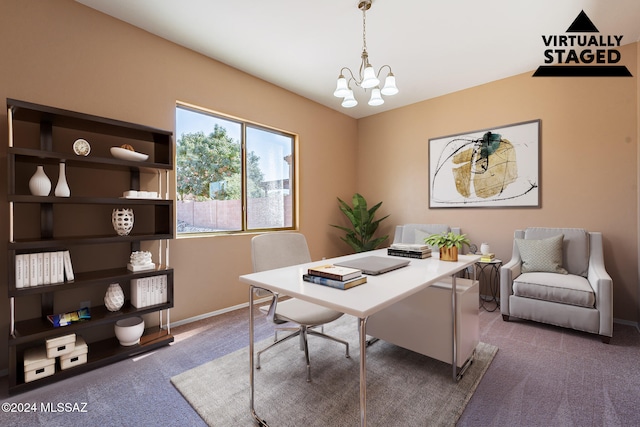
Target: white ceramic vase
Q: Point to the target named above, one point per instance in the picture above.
(62, 188)
(114, 297)
(485, 249)
(122, 220)
(40, 184)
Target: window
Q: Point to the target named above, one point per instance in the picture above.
(232, 175)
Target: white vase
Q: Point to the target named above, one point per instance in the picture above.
(122, 220)
(114, 297)
(40, 184)
(62, 188)
(485, 249)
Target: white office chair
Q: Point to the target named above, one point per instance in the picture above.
(276, 250)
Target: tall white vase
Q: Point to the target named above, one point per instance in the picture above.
(62, 188)
(40, 184)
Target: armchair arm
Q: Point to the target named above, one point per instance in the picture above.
(601, 283)
(508, 272)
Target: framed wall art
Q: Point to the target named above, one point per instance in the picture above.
(495, 167)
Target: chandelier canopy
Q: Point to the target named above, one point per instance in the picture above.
(367, 78)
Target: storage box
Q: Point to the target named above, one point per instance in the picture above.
(77, 357)
(37, 364)
(60, 345)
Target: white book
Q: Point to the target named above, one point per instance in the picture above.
(26, 268)
(164, 289)
(53, 267)
(40, 267)
(145, 292)
(155, 290)
(60, 268)
(46, 268)
(19, 271)
(33, 269)
(68, 268)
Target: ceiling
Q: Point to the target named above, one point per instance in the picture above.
(434, 47)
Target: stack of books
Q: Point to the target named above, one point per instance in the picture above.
(409, 250)
(148, 291)
(335, 276)
(487, 257)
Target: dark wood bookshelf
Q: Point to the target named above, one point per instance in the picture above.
(47, 143)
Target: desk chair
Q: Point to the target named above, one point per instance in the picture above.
(276, 250)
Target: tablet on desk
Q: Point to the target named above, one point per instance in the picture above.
(374, 265)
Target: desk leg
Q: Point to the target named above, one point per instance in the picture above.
(259, 420)
(454, 303)
(363, 371)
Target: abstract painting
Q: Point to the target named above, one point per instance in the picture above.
(496, 167)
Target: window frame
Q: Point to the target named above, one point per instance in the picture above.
(244, 124)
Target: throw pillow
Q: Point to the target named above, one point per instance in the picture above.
(544, 255)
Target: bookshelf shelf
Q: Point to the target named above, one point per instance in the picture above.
(81, 225)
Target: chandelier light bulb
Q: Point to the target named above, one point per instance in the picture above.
(342, 89)
(349, 100)
(390, 87)
(376, 98)
(369, 78)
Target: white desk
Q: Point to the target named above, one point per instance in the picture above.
(362, 301)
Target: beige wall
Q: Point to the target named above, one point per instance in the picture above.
(66, 55)
(589, 158)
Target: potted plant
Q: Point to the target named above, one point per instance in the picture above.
(360, 235)
(449, 243)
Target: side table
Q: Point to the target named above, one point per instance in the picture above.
(490, 271)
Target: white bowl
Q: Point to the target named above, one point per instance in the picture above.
(124, 154)
(129, 330)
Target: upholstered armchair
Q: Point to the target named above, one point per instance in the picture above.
(557, 276)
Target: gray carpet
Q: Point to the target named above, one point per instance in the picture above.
(404, 388)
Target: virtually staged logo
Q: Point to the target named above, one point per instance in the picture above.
(582, 55)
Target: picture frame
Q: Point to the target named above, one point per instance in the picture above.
(493, 167)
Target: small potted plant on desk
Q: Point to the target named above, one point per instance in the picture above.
(449, 243)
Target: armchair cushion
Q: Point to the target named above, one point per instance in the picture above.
(561, 288)
(575, 246)
(541, 255)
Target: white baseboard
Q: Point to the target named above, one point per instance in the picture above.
(217, 312)
(627, 322)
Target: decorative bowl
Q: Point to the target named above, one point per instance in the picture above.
(129, 330)
(124, 154)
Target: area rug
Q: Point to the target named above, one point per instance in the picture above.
(404, 388)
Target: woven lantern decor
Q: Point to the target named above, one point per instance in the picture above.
(122, 220)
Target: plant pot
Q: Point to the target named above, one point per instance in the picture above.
(449, 254)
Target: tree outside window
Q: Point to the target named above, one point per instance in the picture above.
(223, 188)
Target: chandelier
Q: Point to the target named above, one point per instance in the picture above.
(367, 77)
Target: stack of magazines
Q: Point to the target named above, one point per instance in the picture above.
(335, 276)
(409, 250)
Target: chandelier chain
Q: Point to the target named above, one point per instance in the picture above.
(364, 29)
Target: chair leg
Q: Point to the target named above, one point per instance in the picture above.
(320, 334)
(303, 335)
(295, 334)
